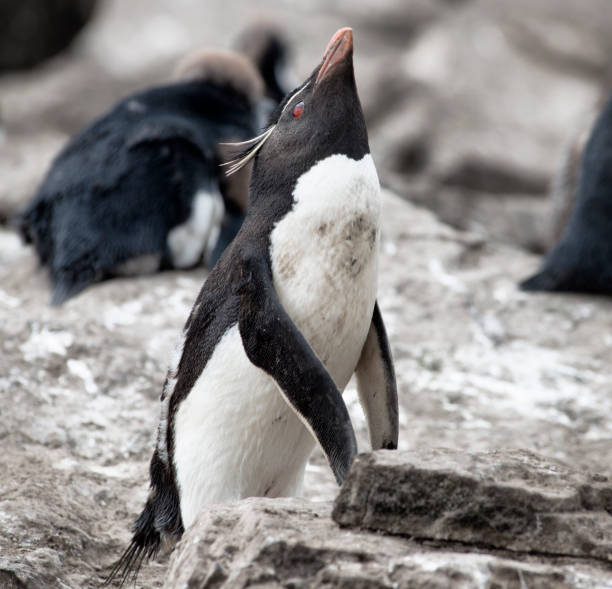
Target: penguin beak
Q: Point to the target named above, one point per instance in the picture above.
(339, 50)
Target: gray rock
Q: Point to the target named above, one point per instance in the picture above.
(512, 500)
(23, 163)
(294, 543)
(471, 100)
(497, 91)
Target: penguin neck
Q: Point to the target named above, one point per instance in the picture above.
(330, 188)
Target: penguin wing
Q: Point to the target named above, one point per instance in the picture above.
(377, 387)
(164, 129)
(274, 343)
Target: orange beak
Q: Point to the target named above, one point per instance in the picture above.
(338, 49)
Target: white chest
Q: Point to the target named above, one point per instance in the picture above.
(191, 240)
(324, 259)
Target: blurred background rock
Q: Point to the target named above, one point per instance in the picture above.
(470, 103)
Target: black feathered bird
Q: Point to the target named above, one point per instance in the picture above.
(582, 259)
(140, 189)
(265, 45)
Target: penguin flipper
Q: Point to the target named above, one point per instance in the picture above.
(377, 387)
(273, 343)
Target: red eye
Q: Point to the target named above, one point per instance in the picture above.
(298, 110)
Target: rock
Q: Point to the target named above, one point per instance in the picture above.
(512, 500)
(471, 100)
(294, 543)
(23, 163)
(495, 104)
(83, 384)
(34, 30)
(54, 526)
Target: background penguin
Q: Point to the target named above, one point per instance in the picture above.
(582, 259)
(140, 188)
(564, 187)
(264, 44)
(285, 318)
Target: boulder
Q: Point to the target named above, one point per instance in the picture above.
(490, 96)
(294, 543)
(506, 499)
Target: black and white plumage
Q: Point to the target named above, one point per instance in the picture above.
(581, 261)
(139, 189)
(283, 321)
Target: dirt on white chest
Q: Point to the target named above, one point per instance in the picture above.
(324, 258)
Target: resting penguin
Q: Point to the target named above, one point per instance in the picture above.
(139, 189)
(582, 259)
(283, 321)
(267, 48)
(564, 185)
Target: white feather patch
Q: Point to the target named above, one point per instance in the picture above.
(189, 241)
(235, 436)
(171, 378)
(325, 257)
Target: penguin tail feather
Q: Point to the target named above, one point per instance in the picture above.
(145, 545)
(541, 281)
(62, 291)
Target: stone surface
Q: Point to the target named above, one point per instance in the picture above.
(491, 94)
(23, 163)
(512, 500)
(294, 543)
(55, 529)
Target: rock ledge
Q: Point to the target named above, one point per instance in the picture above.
(512, 500)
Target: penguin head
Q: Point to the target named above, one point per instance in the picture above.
(320, 118)
(222, 68)
(264, 44)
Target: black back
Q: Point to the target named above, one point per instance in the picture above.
(582, 259)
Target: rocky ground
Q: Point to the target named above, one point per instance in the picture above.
(548, 525)
(468, 104)
(481, 366)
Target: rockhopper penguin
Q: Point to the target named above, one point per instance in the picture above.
(283, 321)
(140, 188)
(582, 259)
